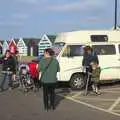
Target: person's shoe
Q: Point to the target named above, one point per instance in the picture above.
(53, 108)
(25, 90)
(19, 87)
(46, 109)
(98, 93)
(10, 88)
(35, 89)
(1, 89)
(86, 93)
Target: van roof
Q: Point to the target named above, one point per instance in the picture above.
(84, 36)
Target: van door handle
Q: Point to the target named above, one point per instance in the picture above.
(119, 59)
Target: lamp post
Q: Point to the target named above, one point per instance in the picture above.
(115, 24)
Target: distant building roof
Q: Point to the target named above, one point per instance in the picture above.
(1, 41)
(16, 40)
(27, 40)
(52, 38)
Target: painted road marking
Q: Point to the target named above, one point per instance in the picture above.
(98, 99)
(116, 88)
(110, 110)
(116, 110)
(91, 106)
(77, 94)
(110, 91)
(114, 104)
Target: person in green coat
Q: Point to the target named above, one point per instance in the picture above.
(48, 68)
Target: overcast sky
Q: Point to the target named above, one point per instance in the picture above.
(32, 18)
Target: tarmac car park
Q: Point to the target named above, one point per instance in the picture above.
(108, 101)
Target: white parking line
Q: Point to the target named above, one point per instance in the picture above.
(77, 94)
(114, 104)
(98, 99)
(116, 88)
(110, 91)
(91, 106)
(116, 110)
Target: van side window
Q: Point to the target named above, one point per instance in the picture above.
(119, 48)
(104, 49)
(99, 38)
(73, 50)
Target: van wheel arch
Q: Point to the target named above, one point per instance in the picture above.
(77, 81)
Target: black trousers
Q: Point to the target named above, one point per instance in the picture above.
(49, 95)
(5, 78)
(36, 82)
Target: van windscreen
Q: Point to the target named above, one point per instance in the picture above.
(57, 47)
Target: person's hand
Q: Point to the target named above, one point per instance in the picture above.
(89, 73)
(39, 75)
(93, 68)
(84, 69)
(8, 68)
(5, 58)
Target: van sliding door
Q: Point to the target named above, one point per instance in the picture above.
(108, 61)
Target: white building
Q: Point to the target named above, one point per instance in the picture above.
(43, 44)
(22, 47)
(5, 46)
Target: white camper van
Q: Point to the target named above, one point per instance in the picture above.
(70, 54)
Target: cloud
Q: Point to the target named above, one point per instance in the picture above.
(78, 5)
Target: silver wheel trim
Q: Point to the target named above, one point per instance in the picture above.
(78, 82)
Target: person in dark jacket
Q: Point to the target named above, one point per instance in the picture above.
(88, 57)
(48, 68)
(16, 56)
(8, 66)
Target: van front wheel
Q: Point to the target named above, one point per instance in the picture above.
(77, 82)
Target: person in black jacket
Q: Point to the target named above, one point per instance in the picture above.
(8, 66)
(15, 56)
(88, 57)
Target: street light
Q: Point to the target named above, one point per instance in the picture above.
(115, 25)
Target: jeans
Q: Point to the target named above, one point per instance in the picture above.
(89, 69)
(49, 95)
(6, 77)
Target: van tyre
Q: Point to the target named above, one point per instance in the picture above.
(77, 82)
